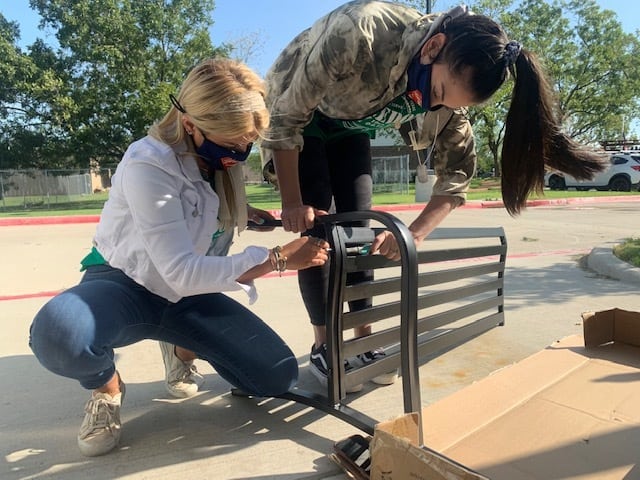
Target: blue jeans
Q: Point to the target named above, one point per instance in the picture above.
(75, 333)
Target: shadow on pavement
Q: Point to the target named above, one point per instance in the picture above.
(44, 411)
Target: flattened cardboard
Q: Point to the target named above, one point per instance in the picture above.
(565, 412)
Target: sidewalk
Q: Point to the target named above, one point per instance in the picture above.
(216, 436)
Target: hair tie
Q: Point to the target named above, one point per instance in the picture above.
(511, 52)
(176, 103)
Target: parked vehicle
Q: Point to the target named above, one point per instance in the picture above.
(621, 175)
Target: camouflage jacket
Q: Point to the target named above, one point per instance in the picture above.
(349, 65)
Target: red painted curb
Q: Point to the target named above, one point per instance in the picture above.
(26, 296)
(63, 220)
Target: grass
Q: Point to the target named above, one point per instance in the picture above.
(629, 251)
(39, 206)
(260, 196)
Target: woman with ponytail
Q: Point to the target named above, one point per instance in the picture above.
(370, 65)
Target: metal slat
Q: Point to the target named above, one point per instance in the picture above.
(372, 288)
(448, 254)
(381, 312)
(444, 233)
(368, 262)
(431, 322)
(392, 285)
(428, 279)
(391, 335)
(444, 340)
(370, 315)
(453, 294)
(385, 337)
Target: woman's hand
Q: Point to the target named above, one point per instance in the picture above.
(385, 244)
(305, 252)
(296, 217)
(299, 219)
(258, 217)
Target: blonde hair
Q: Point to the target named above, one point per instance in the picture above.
(220, 96)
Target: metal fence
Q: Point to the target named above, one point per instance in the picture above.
(48, 189)
(29, 188)
(391, 174)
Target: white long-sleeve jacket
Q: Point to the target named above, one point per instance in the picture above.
(158, 223)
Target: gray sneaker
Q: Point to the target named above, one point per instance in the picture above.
(182, 379)
(100, 429)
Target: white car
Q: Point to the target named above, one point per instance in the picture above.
(621, 175)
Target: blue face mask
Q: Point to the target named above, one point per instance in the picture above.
(221, 158)
(419, 83)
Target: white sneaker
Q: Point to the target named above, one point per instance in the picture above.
(100, 429)
(182, 379)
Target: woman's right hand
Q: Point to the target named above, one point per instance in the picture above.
(305, 252)
(300, 218)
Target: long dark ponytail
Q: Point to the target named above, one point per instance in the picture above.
(477, 49)
(533, 138)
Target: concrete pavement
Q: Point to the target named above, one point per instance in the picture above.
(216, 436)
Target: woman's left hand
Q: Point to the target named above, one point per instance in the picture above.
(258, 217)
(385, 244)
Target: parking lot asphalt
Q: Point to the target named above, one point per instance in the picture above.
(550, 280)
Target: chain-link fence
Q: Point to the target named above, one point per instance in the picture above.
(391, 174)
(87, 188)
(46, 188)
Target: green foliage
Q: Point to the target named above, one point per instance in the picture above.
(105, 84)
(254, 162)
(629, 251)
(28, 88)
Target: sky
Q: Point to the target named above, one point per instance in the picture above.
(272, 22)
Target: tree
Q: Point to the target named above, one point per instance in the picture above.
(27, 88)
(116, 64)
(10, 66)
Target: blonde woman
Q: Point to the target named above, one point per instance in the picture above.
(148, 275)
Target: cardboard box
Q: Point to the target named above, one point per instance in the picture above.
(565, 412)
(615, 325)
(396, 455)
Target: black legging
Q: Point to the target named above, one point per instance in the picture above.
(341, 169)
